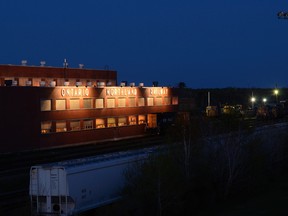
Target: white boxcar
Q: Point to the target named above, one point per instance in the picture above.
(74, 186)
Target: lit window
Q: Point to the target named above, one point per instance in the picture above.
(46, 127)
(111, 122)
(100, 123)
(152, 120)
(142, 119)
(110, 103)
(132, 120)
(132, 102)
(87, 103)
(122, 121)
(87, 124)
(150, 102)
(175, 100)
(61, 126)
(74, 104)
(158, 101)
(75, 125)
(141, 102)
(60, 104)
(45, 105)
(122, 102)
(99, 103)
(167, 100)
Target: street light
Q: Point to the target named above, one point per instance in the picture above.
(276, 92)
(253, 99)
(264, 100)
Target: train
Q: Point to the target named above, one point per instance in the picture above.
(272, 111)
(260, 112)
(75, 186)
(215, 111)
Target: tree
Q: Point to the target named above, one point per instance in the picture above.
(181, 85)
(153, 187)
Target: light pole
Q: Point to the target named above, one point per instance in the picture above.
(276, 92)
(264, 100)
(253, 99)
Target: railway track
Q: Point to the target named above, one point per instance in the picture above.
(13, 160)
(14, 167)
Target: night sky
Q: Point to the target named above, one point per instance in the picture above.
(204, 43)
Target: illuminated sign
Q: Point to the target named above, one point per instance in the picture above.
(74, 92)
(158, 91)
(121, 91)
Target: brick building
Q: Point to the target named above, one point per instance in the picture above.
(46, 107)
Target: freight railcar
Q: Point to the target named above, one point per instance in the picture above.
(270, 111)
(74, 186)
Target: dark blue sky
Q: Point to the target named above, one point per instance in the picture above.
(204, 43)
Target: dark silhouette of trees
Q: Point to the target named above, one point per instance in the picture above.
(197, 172)
(182, 85)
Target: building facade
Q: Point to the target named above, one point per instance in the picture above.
(47, 107)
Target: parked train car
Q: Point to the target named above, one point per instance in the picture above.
(74, 186)
(212, 111)
(270, 111)
(234, 110)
